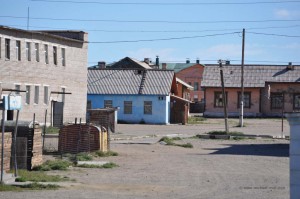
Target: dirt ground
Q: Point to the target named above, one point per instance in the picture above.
(212, 169)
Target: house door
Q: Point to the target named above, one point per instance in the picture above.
(58, 113)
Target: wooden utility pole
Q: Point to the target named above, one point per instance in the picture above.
(224, 97)
(242, 83)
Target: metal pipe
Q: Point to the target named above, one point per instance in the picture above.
(15, 145)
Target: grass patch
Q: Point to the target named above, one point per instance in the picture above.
(109, 165)
(196, 120)
(37, 186)
(53, 165)
(106, 154)
(52, 130)
(84, 157)
(31, 186)
(4, 187)
(170, 141)
(233, 133)
(38, 176)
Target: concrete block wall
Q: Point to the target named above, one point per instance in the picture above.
(294, 121)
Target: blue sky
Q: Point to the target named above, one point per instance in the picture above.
(272, 28)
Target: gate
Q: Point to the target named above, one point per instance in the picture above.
(58, 113)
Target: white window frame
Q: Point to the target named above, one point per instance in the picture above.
(7, 48)
(46, 94)
(18, 50)
(46, 53)
(36, 94)
(55, 55)
(63, 56)
(28, 94)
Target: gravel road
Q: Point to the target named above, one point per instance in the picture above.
(212, 169)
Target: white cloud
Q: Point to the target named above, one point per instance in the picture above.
(286, 14)
(282, 13)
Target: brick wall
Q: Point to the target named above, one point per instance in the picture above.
(7, 150)
(78, 138)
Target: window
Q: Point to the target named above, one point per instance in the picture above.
(247, 99)
(108, 104)
(196, 86)
(28, 51)
(7, 48)
(196, 98)
(276, 100)
(37, 52)
(27, 94)
(55, 55)
(297, 101)
(46, 94)
(46, 54)
(161, 98)
(127, 107)
(63, 96)
(63, 57)
(148, 107)
(18, 50)
(36, 94)
(219, 99)
(17, 87)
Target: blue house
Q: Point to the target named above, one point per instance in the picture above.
(142, 96)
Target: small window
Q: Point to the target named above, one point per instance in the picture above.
(108, 104)
(7, 48)
(36, 94)
(28, 51)
(18, 50)
(161, 98)
(196, 86)
(219, 99)
(276, 100)
(148, 107)
(46, 54)
(27, 94)
(37, 52)
(55, 55)
(196, 99)
(296, 101)
(46, 94)
(63, 57)
(247, 99)
(127, 107)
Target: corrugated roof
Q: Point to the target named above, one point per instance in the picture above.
(184, 83)
(129, 82)
(254, 75)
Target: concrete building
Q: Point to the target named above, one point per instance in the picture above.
(46, 64)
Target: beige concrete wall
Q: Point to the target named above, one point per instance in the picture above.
(72, 77)
(232, 98)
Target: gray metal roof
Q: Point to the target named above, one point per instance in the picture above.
(130, 82)
(254, 75)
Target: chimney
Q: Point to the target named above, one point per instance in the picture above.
(157, 61)
(147, 60)
(101, 64)
(198, 61)
(164, 66)
(227, 62)
(290, 66)
(187, 60)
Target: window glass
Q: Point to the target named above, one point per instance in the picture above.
(148, 107)
(127, 107)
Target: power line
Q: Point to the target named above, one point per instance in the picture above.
(271, 34)
(161, 31)
(167, 4)
(154, 21)
(162, 39)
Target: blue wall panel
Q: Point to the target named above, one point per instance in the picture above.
(160, 107)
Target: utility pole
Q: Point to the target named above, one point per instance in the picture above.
(224, 97)
(28, 18)
(242, 82)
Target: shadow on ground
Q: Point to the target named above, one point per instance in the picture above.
(277, 150)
